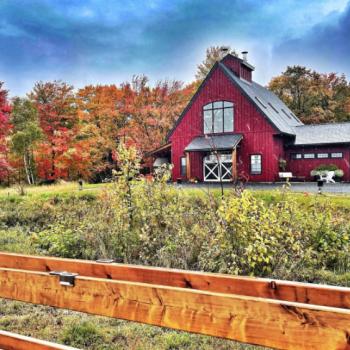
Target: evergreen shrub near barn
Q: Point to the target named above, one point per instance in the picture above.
(323, 169)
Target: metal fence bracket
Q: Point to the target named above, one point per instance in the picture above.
(105, 261)
(66, 278)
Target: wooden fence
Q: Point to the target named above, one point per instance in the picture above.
(11, 341)
(273, 313)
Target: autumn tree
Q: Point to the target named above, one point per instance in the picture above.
(313, 97)
(5, 127)
(152, 111)
(55, 102)
(99, 109)
(26, 133)
(213, 54)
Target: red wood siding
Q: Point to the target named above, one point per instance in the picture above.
(238, 68)
(303, 167)
(258, 133)
(246, 73)
(233, 64)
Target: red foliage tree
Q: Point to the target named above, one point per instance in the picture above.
(152, 111)
(5, 127)
(55, 102)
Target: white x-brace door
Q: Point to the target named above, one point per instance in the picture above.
(216, 167)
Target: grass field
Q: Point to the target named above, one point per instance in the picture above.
(100, 333)
(37, 213)
(47, 191)
(81, 330)
(66, 189)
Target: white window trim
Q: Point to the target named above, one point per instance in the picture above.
(260, 163)
(337, 157)
(212, 109)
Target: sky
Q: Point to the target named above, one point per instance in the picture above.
(108, 41)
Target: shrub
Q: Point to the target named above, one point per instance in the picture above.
(59, 240)
(153, 223)
(15, 240)
(327, 167)
(249, 238)
(324, 168)
(82, 335)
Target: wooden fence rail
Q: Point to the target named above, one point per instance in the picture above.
(279, 314)
(11, 341)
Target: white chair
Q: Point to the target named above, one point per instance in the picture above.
(328, 177)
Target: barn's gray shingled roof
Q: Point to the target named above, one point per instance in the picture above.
(267, 102)
(322, 134)
(217, 142)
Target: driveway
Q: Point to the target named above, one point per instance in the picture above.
(295, 186)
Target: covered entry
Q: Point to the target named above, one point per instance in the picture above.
(160, 156)
(219, 156)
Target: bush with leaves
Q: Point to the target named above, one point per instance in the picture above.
(150, 222)
(323, 169)
(256, 239)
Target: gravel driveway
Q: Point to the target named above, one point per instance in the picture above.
(295, 186)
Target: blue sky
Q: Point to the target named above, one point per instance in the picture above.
(107, 41)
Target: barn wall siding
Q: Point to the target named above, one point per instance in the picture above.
(234, 65)
(239, 69)
(246, 73)
(303, 167)
(258, 133)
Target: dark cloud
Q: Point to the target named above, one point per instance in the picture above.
(95, 41)
(325, 47)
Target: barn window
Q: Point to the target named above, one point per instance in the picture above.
(183, 167)
(322, 155)
(255, 164)
(296, 156)
(337, 155)
(218, 117)
(309, 155)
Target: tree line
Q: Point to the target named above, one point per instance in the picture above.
(57, 132)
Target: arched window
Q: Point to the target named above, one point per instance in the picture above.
(218, 117)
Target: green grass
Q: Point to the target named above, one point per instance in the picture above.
(101, 333)
(98, 333)
(48, 191)
(338, 201)
(68, 189)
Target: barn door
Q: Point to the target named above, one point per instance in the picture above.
(216, 167)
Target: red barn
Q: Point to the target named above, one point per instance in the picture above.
(234, 127)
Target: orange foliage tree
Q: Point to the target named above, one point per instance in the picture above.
(152, 111)
(314, 97)
(100, 121)
(134, 113)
